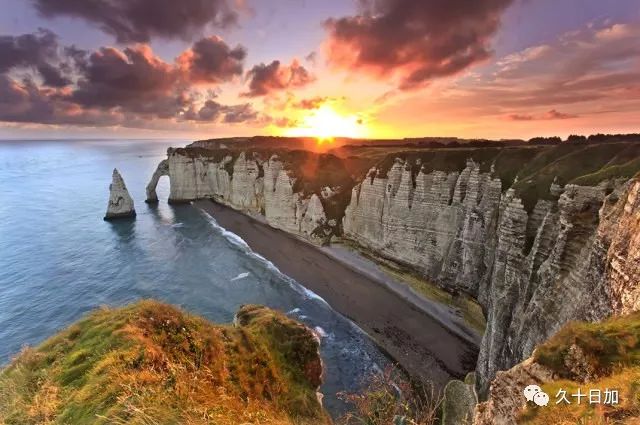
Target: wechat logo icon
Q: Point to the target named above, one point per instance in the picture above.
(534, 393)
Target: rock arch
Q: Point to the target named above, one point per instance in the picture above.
(162, 170)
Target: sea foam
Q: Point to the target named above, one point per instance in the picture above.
(240, 243)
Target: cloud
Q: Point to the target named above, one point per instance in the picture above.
(312, 57)
(133, 80)
(414, 41)
(140, 20)
(584, 73)
(285, 122)
(311, 103)
(520, 117)
(213, 111)
(25, 102)
(550, 115)
(266, 79)
(211, 60)
(582, 66)
(130, 87)
(555, 115)
(240, 113)
(35, 51)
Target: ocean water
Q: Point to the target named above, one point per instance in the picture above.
(59, 259)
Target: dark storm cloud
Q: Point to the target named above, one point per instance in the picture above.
(27, 49)
(42, 82)
(414, 40)
(25, 102)
(131, 87)
(211, 60)
(37, 51)
(52, 76)
(265, 79)
(140, 20)
(134, 80)
(210, 111)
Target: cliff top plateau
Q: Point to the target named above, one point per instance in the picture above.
(531, 168)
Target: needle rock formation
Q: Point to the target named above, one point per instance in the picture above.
(120, 202)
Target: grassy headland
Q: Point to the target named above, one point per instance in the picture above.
(150, 363)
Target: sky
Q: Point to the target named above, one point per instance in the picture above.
(362, 68)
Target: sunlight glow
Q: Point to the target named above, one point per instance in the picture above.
(325, 124)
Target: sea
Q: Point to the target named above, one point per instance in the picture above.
(59, 259)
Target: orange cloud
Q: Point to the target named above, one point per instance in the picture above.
(266, 79)
(414, 41)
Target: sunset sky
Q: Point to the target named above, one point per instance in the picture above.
(362, 68)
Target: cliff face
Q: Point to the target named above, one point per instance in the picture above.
(440, 224)
(533, 262)
(571, 258)
(246, 183)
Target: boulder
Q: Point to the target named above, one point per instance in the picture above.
(459, 401)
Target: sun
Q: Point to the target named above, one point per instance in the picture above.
(325, 124)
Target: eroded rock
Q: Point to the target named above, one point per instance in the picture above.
(247, 184)
(463, 233)
(120, 202)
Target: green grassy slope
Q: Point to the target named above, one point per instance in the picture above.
(150, 363)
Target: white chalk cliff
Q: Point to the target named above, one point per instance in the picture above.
(251, 185)
(120, 202)
(462, 232)
(574, 256)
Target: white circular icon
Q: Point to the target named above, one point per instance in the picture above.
(530, 391)
(541, 399)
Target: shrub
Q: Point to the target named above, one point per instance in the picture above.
(390, 398)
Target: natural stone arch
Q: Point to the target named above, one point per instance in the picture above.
(162, 170)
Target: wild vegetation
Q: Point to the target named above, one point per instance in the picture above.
(529, 167)
(536, 167)
(597, 356)
(391, 399)
(150, 363)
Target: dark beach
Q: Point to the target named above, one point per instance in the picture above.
(414, 339)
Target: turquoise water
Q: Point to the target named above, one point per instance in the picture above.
(59, 259)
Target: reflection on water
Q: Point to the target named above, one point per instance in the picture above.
(59, 259)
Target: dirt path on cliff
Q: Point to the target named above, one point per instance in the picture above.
(418, 342)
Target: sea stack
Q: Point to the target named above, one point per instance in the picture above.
(120, 202)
